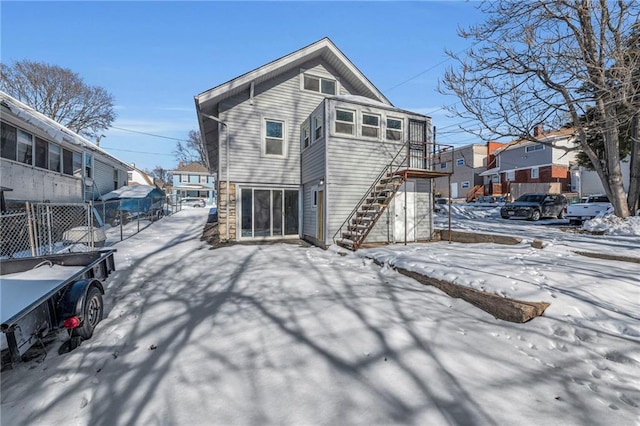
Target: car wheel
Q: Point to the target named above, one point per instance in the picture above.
(561, 214)
(92, 313)
(575, 222)
(505, 217)
(535, 215)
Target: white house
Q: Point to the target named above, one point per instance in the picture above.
(41, 160)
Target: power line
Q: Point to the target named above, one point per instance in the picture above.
(149, 134)
(137, 152)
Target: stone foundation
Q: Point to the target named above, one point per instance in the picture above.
(222, 211)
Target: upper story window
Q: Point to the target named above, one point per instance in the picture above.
(370, 125)
(394, 129)
(184, 178)
(54, 157)
(67, 162)
(345, 121)
(25, 147)
(204, 179)
(536, 147)
(320, 84)
(460, 162)
(510, 175)
(317, 127)
(306, 137)
(274, 138)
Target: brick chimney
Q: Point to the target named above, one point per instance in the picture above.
(537, 131)
(180, 165)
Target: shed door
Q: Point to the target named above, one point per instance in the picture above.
(408, 190)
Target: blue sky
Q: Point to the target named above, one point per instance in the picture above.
(154, 57)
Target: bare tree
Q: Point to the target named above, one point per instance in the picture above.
(60, 94)
(548, 62)
(159, 173)
(192, 150)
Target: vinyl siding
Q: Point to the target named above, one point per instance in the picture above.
(424, 210)
(280, 99)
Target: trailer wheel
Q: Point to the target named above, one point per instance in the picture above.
(92, 313)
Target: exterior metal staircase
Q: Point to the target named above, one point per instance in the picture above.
(373, 204)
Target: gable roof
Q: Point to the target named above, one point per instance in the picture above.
(548, 138)
(322, 48)
(192, 167)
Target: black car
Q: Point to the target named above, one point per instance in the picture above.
(535, 206)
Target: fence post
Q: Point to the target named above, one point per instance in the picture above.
(121, 217)
(32, 240)
(90, 225)
(49, 226)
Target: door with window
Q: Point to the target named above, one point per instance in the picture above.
(268, 212)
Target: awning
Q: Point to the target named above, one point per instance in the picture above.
(494, 171)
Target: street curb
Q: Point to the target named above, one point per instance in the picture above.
(605, 256)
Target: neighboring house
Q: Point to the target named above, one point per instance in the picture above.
(545, 163)
(468, 163)
(136, 176)
(41, 160)
(192, 180)
(587, 182)
(297, 144)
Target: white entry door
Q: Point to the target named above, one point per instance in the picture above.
(408, 190)
(454, 190)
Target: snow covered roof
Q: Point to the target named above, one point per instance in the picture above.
(55, 130)
(137, 191)
(493, 171)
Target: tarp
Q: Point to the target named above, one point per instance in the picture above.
(135, 192)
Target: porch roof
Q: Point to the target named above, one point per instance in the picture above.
(489, 172)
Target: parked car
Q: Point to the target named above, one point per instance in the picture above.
(192, 202)
(593, 206)
(535, 206)
(213, 215)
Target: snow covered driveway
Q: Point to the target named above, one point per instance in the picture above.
(280, 334)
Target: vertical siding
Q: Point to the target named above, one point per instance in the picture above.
(102, 176)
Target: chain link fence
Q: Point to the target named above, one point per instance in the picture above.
(44, 228)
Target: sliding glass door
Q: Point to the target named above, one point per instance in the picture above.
(268, 212)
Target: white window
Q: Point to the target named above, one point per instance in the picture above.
(184, 178)
(130, 176)
(460, 162)
(394, 129)
(370, 126)
(274, 138)
(25, 147)
(203, 179)
(510, 175)
(536, 147)
(535, 173)
(306, 141)
(319, 84)
(443, 165)
(345, 121)
(317, 127)
(466, 184)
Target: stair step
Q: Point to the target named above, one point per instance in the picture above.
(387, 186)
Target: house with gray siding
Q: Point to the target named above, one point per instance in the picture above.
(533, 164)
(300, 145)
(41, 160)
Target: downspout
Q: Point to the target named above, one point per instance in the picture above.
(216, 119)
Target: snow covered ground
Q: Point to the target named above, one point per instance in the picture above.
(283, 334)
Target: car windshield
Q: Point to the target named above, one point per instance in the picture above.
(531, 198)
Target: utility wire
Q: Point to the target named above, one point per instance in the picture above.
(149, 134)
(137, 152)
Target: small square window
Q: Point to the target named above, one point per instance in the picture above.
(443, 165)
(466, 185)
(370, 125)
(311, 83)
(460, 162)
(320, 84)
(510, 175)
(184, 178)
(344, 121)
(394, 129)
(535, 173)
(328, 87)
